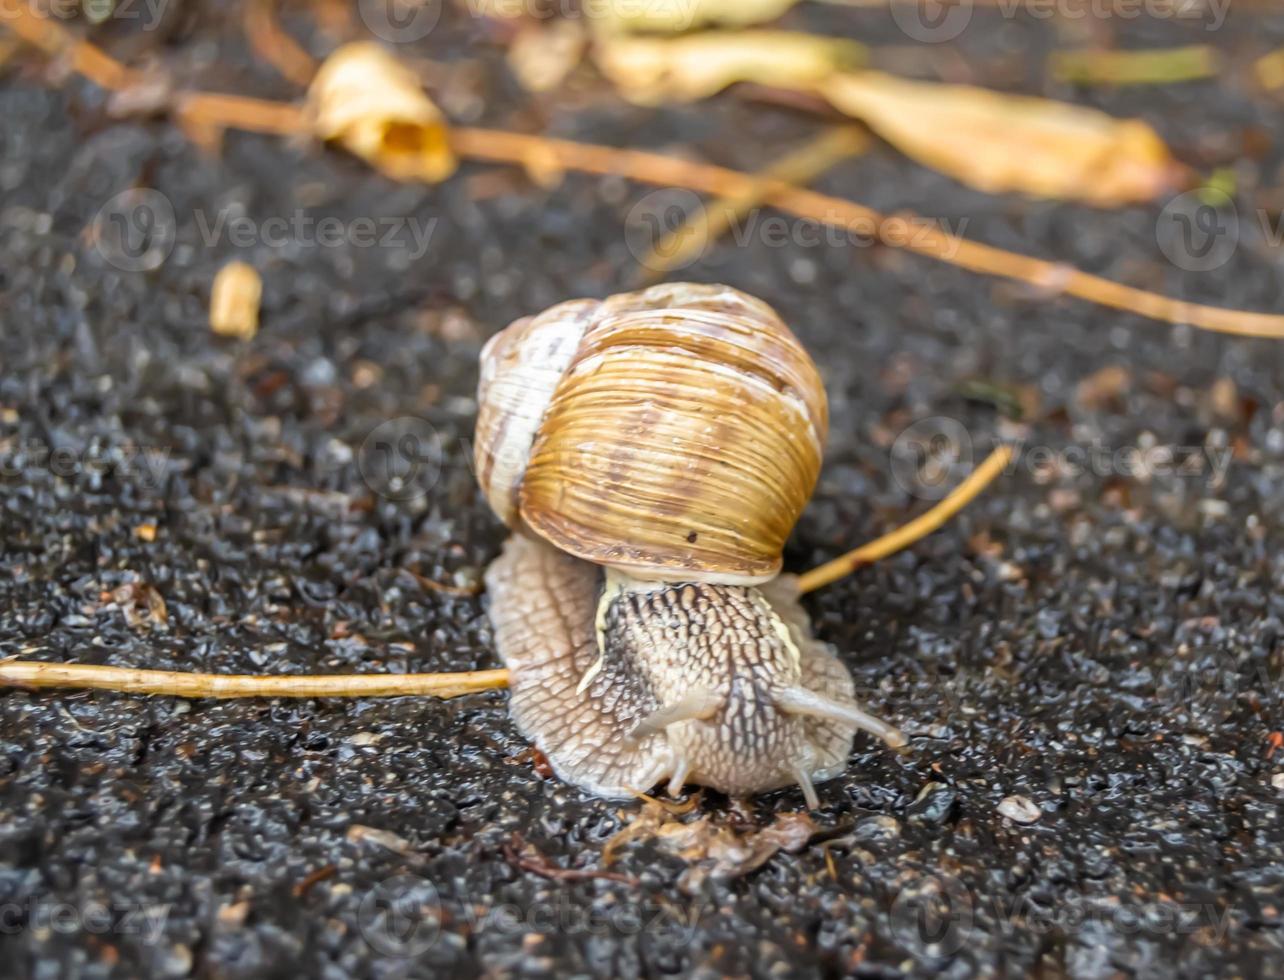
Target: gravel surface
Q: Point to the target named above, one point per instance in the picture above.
(1089, 660)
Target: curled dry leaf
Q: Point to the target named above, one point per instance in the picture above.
(373, 106)
(649, 71)
(998, 143)
(234, 301)
(675, 16)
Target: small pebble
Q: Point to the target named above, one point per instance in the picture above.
(1278, 780)
(1019, 808)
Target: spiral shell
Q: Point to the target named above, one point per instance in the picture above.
(674, 433)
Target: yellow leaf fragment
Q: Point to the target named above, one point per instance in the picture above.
(999, 143)
(541, 56)
(650, 71)
(373, 105)
(1160, 66)
(675, 16)
(1269, 70)
(234, 301)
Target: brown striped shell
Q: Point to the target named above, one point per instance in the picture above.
(675, 433)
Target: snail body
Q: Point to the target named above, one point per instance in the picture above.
(652, 452)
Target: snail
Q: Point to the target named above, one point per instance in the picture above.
(651, 452)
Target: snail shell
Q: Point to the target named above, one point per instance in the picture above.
(674, 433)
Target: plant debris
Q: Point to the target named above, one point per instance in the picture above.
(373, 106)
(234, 301)
(710, 846)
(651, 71)
(1149, 67)
(675, 16)
(1000, 143)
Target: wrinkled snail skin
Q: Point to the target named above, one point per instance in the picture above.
(652, 451)
(685, 684)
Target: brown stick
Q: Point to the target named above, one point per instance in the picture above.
(274, 45)
(129, 680)
(53, 39)
(220, 111)
(915, 530)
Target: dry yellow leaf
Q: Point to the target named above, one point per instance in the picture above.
(649, 71)
(541, 56)
(234, 301)
(675, 16)
(998, 143)
(373, 106)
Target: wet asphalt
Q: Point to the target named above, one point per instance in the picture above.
(1099, 636)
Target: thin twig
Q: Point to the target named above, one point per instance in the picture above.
(516, 853)
(801, 166)
(274, 45)
(919, 528)
(221, 111)
(910, 232)
(55, 40)
(129, 680)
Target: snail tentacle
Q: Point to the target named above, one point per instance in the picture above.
(800, 701)
(698, 705)
(803, 778)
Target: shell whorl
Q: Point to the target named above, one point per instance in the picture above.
(675, 433)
